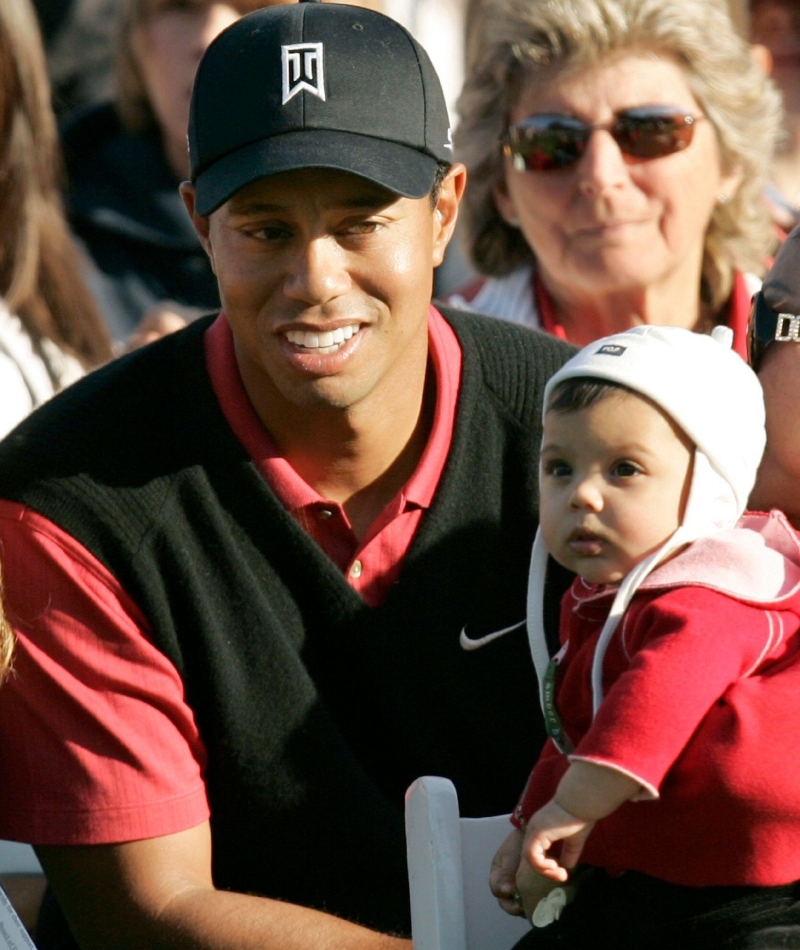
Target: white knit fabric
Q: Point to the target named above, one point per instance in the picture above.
(509, 298)
(29, 375)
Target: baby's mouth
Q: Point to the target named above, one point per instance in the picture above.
(584, 542)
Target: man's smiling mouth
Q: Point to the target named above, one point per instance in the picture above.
(323, 342)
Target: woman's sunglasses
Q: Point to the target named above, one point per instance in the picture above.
(550, 141)
(768, 326)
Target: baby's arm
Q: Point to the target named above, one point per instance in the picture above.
(587, 792)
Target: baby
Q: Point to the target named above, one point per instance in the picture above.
(668, 703)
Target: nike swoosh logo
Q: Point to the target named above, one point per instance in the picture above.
(469, 644)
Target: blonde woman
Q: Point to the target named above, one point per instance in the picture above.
(617, 152)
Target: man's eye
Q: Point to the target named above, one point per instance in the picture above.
(362, 227)
(271, 233)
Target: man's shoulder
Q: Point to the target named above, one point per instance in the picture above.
(514, 362)
(509, 338)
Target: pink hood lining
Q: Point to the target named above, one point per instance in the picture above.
(757, 562)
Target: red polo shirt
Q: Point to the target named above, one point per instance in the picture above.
(372, 565)
(97, 742)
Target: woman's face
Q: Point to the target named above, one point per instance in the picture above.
(606, 224)
(778, 482)
(169, 45)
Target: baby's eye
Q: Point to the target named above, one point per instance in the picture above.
(625, 469)
(557, 468)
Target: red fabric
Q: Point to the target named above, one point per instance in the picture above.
(380, 553)
(682, 714)
(97, 743)
(738, 314)
(547, 312)
(738, 311)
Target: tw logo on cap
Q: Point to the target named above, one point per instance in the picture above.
(303, 68)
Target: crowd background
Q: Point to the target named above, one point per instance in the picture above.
(121, 116)
(75, 301)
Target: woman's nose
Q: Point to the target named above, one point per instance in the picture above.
(602, 165)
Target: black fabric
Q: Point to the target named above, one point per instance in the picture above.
(124, 206)
(637, 912)
(317, 711)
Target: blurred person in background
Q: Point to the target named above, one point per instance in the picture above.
(775, 26)
(50, 331)
(78, 41)
(617, 150)
(775, 356)
(126, 159)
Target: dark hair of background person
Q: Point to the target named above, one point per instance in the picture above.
(40, 267)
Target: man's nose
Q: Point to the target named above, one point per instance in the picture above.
(317, 272)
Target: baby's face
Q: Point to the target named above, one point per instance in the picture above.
(614, 483)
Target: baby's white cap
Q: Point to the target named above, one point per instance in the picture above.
(707, 389)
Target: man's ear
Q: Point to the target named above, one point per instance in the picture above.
(199, 222)
(445, 214)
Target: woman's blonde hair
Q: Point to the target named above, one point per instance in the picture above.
(6, 639)
(512, 42)
(40, 268)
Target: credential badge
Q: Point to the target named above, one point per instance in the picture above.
(787, 328)
(302, 69)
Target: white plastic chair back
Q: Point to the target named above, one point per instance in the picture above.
(452, 907)
(16, 858)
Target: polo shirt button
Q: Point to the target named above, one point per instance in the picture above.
(356, 569)
(325, 513)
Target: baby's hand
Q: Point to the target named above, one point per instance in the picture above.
(532, 887)
(550, 824)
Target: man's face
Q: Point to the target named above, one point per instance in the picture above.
(325, 279)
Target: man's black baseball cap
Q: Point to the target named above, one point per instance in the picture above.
(316, 85)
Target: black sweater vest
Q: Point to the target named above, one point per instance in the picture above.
(317, 711)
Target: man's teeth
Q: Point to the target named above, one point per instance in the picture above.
(328, 342)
